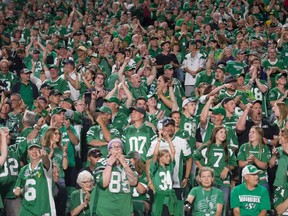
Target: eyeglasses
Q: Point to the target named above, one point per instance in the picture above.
(87, 182)
(116, 147)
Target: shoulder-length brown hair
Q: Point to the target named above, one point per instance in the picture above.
(46, 140)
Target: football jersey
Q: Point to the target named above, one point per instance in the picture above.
(143, 181)
(95, 133)
(116, 199)
(37, 190)
(189, 124)
(182, 151)
(77, 197)
(10, 79)
(9, 173)
(280, 195)
(281, 172)
(264, 156)
(60, 84)
(213, 156)
(138, 139)
(205, 201)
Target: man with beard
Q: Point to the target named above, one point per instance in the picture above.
(182, 152)
(231, 91)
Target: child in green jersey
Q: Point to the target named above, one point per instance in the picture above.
(161, 172)
(205, 200)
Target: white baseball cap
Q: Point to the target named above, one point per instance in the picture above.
(250, 169)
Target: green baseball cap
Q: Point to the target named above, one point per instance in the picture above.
(280, 75)
(129, 67)
(250, 169)
(112, 99)
(132, 154)
(57, 110)
(105, 109)
(34, 143)
(168, 66)
(218, 110)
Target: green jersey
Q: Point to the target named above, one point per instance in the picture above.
(37, 190)
(9, 173)
(231, 121)
(77, 198)
(59, 84)
(143, 181)
(162, 181)
(250, 202)
(115, 199)
(214, 156)
(189, 124)
(57, 159)
(281, 174)
(205, 201)
(21, 141)
(10, 79)
(95, 133)
(275, 94)
(263, 154)
(138, 139)
(278, 63)
(280, 195)
(120, 121)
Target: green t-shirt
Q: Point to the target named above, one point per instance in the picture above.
(250, 202)
(27, 94)
(138, 139)
(275, 94)
(213, 156)
(205, 201)
(262, 154)
(37, 196)
(120, 120)
(143, 181)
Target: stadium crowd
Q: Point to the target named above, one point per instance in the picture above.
(143, 107)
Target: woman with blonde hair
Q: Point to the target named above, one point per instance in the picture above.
(256, 153)
(51, 141)
(280, 110)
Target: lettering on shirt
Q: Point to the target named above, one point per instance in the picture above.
(249, 198)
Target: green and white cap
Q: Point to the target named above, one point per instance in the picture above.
(250, 169)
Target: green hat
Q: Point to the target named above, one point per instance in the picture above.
(112, 99)
(132, 154)
(250, 169)
(168, 66)
(53, 66)
(218, 110)
(22, 41)
(68, 100)
(57, 18)
(280, 75)
(57, 110)
(129, 67)
(50, 42)
(34, 143)
(105, 109)
(35, 28)
(152, 95)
